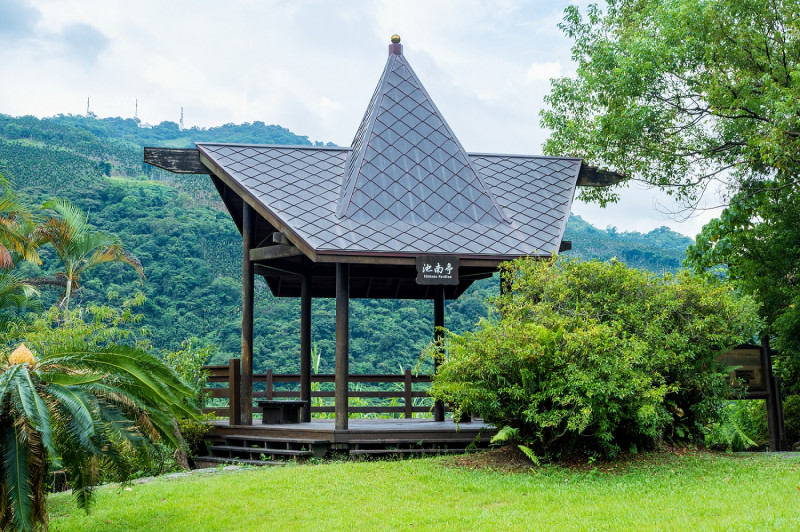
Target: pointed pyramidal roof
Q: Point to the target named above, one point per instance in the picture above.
(406, 165)
(405, 187)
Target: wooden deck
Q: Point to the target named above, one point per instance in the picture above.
(268, 444)
(380, 429)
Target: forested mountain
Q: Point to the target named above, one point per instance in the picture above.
(191, 250)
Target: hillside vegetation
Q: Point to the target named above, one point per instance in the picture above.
(191, 250)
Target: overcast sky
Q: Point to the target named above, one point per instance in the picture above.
(310, 66)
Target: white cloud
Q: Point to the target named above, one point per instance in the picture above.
(543, 72)
(308, 65)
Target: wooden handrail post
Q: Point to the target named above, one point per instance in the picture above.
(270, 389)
(407, 397)
(234, 391)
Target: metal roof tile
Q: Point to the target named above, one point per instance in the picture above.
(410, 186)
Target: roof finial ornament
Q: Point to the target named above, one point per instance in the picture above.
(396, 48)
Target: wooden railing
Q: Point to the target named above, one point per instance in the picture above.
(223, 379)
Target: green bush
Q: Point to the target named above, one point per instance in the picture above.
(742, 425)
(791, 418)
(591, 356)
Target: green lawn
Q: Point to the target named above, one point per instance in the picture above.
(691, 492)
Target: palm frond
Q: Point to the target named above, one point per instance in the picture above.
(77, 409)
(153, 382)
(75, 220)
(36, 410)
(15, 477)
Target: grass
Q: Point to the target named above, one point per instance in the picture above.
(696, 491)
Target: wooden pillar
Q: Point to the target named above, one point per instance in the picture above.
(305, 345)
(234, 392)
(775, 426)
(342, 344)
(438, 323)
(248, 223)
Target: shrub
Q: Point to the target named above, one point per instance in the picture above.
(596, 356)
(742, 425)
(791, 418)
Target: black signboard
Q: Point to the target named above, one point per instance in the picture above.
(437, 269)
(747, 361)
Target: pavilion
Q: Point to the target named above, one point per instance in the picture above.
(404, 212)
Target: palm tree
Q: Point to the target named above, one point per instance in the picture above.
(72, 407)
(15, 229)
(79, 247)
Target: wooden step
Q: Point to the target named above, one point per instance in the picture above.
(300, 441)
(407, 451)
(413, 441)
(235, 461)
(261, 450)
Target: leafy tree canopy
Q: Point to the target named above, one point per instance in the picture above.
(682, 93)
(756, 244)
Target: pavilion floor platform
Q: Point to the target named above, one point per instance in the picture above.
(265, 444)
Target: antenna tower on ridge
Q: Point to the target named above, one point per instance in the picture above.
(181, 124)
(136, 113)
(87, 107)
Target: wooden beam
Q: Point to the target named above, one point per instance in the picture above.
(305, 345)
(277, 268)
(247, 315)
(179, 161)
(591, 176)
(280, 238)
(274, 252)
(260, 208)
(342, 345)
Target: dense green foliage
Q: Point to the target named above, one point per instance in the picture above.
(791, 413)
(689, 491)
(191, 251)
(678, 93)
(595, 356)
(76, 404)
(755, 244)
(742, 425)
(690, 95)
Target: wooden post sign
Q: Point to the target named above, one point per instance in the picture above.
(437, 269)
(747, 361)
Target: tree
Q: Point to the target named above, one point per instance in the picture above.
(78, 247)
(755, 244)
(15, 227)
(682, 93)
(597, 357)
(691, 94)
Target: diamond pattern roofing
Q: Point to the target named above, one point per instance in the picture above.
(301, 187)
(405, 186)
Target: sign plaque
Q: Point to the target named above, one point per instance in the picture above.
(437, 269)
(747, 361)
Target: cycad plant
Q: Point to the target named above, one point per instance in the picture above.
(79, 247)
(73, 407)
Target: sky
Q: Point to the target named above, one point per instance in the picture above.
(307, 65)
